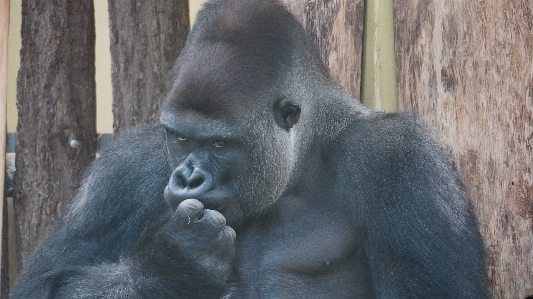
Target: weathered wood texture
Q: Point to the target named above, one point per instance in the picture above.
(337, 28)
(466, 67)
(146, 37)
(8, 256)
(4, 270)
(56, 103)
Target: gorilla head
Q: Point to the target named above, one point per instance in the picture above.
(240, 104)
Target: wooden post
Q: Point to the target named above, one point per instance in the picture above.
(4, 33)
(337, 28)
(466, 68)
(56, 100)
(146, 38)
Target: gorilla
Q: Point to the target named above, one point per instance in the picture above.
(264, 179)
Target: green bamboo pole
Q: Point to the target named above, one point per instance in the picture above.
(4, 33)
(378, 81)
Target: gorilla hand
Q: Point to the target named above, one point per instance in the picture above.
(203, 235)
(192, 247)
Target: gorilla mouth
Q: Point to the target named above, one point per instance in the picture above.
(214, 199)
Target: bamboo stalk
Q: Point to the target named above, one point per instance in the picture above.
(378, 85)
(4, 30)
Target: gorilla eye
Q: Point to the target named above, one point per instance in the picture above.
(181, 138)
(218, 144)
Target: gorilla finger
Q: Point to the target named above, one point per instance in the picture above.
(213, 218)
(228, 234)
(191, 209)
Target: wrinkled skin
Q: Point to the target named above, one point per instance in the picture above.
(264, 179)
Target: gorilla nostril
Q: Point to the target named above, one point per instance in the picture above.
(181, 181)
(196, 181)
(181, 176)
(200, 180)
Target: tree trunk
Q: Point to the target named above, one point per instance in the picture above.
(56, 105)
(146, 38)
(466, 67)
(337, 28)
(4, 272)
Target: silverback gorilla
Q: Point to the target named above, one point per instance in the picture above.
(281, 186)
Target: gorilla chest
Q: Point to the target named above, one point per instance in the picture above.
(305, 253)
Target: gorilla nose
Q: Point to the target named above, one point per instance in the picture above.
(188, 181)
(189, 177)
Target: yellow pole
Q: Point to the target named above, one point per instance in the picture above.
(4, 33)
(378, 83)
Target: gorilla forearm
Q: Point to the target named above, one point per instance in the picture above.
(119, 280)
(104, 281)
(130, 278)
(126, 280)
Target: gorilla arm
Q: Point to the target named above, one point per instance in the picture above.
(89, 253)
(421, 237)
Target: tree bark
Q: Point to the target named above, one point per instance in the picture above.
(56, 105)
(146, 38)
(4, 271)
(466, 67)
(337, 28)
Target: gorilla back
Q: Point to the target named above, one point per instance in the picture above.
(264, 179)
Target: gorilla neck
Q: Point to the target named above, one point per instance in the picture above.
(331, 112)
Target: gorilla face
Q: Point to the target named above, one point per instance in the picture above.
(238, 165)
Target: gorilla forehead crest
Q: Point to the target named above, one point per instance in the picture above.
(236, 50)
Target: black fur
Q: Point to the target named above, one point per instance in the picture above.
(281, 186)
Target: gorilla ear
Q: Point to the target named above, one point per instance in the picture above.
(287, 113)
